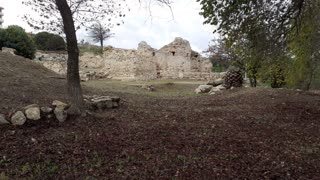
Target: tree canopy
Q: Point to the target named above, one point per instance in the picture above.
(267, 37)
(99, 33)
(230, 16)
(84, 13)
(49, 42)
(15, 37)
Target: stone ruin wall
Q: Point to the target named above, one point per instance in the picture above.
(128, 65)
(174, 61)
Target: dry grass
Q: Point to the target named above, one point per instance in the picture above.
(163, 88)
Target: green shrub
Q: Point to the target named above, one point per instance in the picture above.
(49, 42)
(86, 47)
(15, 37)
(2, 37)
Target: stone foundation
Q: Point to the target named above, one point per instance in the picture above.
(173, 61)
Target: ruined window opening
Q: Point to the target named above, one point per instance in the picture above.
(173, 53)
(153, 53)
(196, 55)
(187, 54)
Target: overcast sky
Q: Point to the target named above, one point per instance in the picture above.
(157, 30)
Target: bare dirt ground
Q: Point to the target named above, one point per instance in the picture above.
(238, 134)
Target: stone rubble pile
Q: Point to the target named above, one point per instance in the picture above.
(230, 80)
(57, 110)
(100, 103)
(8, 50)
(148, 87)
(34, 112)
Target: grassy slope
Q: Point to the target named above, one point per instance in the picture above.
(23, 82)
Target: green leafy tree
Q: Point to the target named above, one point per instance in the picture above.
(15, 37)
(232, 16)
(257, 32)
(275, 72)
(220, 55)
(56, 43)
(49, 42)
(305, 47)
(2, 37)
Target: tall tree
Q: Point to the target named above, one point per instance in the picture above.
(68, 16)
(258, 30)
(220, 55)
(306, 47)
(231, 16)
(100, 33)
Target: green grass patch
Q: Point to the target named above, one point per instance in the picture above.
(163, 88)
(90, 49)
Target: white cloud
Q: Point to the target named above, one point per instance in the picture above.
(157, 29)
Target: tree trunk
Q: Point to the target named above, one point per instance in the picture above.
(253, 81)
(101, 44)
(309, 81)
(73, 77)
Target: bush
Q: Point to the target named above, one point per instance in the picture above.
(49, 42)
(87, 47)
(15, 37)
(2, 38)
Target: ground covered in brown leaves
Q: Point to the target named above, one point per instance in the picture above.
(239, 134)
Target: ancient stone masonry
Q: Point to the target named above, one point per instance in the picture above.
(178, 60)
(173, 61)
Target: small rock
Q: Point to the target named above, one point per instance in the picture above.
(18, 119)
(104, 104)
(148, 87)
(46, 110)
(214, 89)
(11, 133)
(217, 89)
(57, 103)
(9, 50)
(212, 93)
(49, 116)
(144, 86)
(109, 104)
(34, 140)
(115, 99)
(221, 87)
(60, 113)
(31, 106)
(115, 104)
(151, 88)
(33, 113)
(3, 119)
(197, 91)
(215, 82)
(100, 98)
(203, 89)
